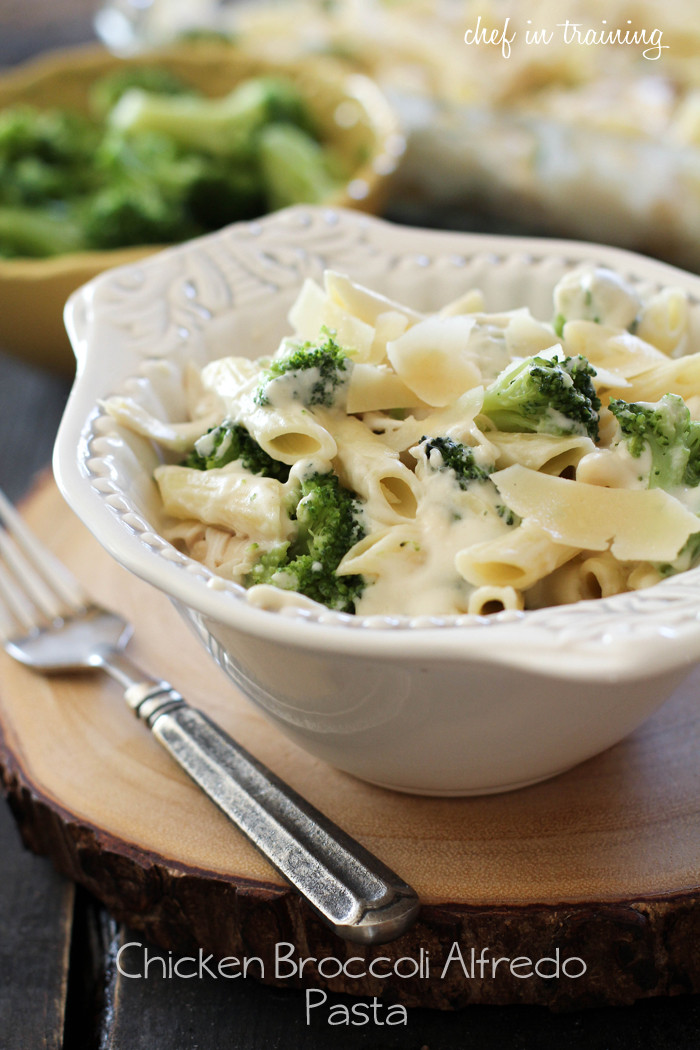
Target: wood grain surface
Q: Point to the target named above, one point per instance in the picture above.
(602, 862)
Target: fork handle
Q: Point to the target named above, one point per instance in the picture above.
(355, 893)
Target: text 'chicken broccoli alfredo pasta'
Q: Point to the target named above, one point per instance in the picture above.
(384, 461)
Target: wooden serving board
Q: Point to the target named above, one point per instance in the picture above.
(601, 863)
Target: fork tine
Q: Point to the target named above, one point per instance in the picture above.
(43, 599)
(52, 571)
(15, 609)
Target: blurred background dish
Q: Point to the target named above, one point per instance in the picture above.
(356, 125)
(570, 133)
(581, 121)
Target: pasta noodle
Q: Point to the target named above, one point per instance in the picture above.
(486, 600)
(553, 455)
(369, 468)
(290, 435)
(586, 577)
(678, 376)
(515, 560)
(231, 498)
(383, 461)
(609, 348)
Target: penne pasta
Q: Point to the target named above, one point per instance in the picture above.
(546, 452)
(517, 559)
(382, 461)
(375, 472)
(229, 497)
(290, 435)
(177, 437)
(485, 601)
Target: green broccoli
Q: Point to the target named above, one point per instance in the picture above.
(231, 441)
(546, 397)
(161, 164)
(224, 193)
(314, 374)
(120, 215)
(144, 183)
(665, 432)
(45, 155)
(329, 523)
(226, 126)
(36, 233)
(153, 192)
(666, 441)
(106, 92)
(443, 453)
(295, 168)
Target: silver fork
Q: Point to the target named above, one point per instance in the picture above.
(48, 624)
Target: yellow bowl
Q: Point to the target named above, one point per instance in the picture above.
(354, 117)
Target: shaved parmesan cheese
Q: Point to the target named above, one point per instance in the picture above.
(637, 524)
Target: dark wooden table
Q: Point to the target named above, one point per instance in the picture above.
(59, 982)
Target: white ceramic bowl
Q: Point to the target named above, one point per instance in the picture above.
(462, 705)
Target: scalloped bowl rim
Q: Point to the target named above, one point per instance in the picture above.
(631, 635)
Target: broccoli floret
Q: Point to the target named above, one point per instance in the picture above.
(106, 92)
(153, 192)
(269, 563)
(224, 193)
(55, 136)
(314, 373)
(143, 200)
(543, 396)
(294, 167)
(231, 441)
(227, 126)
(166, 164)
(446, 454)
(45, 155)
(255, 148)
(119, 216)
(329, 523)
(666, 440)
(664, 431)
(443, 453)
(37, 233)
